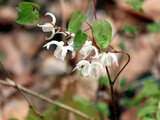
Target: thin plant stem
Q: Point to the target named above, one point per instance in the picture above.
(48, 100)
(115, 51)
(88, 24)
(95, 15)
(111, 83)
(63, 16)
(86, 29)
(9, 75)
(123, 66)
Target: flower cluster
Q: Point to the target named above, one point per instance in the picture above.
(87, 68)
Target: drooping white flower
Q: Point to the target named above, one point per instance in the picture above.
(47, 27)
(87, 49)
(88, 69)
(106, 59)
(71, 44)
(61, 50)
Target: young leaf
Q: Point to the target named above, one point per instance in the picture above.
(146, 110)
(128, 28)
(104, 80)
(147, 118)
(103, 108)
(79, 39)
(102, 33)
(122, 82)
(76, 19)
(136, 5)
(82, 101)
(27, 13)
(153, 27)
(122, 46)
(158, 115)
(12, 119)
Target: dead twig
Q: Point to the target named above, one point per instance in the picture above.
(48, 100)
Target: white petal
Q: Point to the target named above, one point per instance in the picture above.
(69, 48)
(106, 59)
(70, 42)
(92, 70)
(53, 17)
(51, 36)
(100, 65)
(52, 43)
(64, 52)
(114, 58)
(58, 52)
(85, 51)
(85, 70)
(80, 64)
(88, 43)
(47, 27)
(96, 52)
(73, 54)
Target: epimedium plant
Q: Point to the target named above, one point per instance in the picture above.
(96, 50)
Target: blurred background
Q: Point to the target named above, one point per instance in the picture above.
(136, 29)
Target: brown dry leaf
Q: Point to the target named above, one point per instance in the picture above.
(150, 12)
(8, 15)
(129, 114)
(29, 43)
(12, 55)
(15, 108)
(142, 53)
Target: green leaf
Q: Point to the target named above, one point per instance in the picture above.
(1, 56)
(122, 82)
(158, 115)
(12, 119)
(127, 102)
(152, 101)
(104, 80)
(103, 108)
(84, 102)
(149, 89)
(147, 118)
(129, 28)
(138, 98)
(136, 5)
(79, 39)
(153, 27)
(146, 110)
(27, 13)
(122, 46)
(102, 33)
(76, 19)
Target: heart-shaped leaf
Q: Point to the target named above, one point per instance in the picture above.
(27, 13)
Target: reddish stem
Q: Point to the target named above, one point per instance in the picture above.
(111, 83)
(124, 64)
(95, 15)
(86, 29)
(88, 24)
(115, 51)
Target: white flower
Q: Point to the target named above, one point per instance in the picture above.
(88, 69)
(61, 50)
(71, 44)
(47, 27)
(107, 58)
(87, 49)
